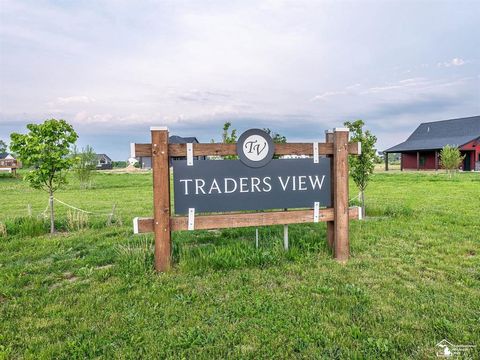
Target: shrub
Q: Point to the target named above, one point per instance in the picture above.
(450, 158)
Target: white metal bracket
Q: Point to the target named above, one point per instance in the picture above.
(190, 154)
(135, 225)
(191, 218)
(315, 152)
(316, 211)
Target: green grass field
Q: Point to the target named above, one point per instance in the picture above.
(413, 279)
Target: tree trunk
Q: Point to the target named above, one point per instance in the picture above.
(52, 218)
(363, 204)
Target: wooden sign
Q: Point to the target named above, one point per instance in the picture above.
(316, 186)
(230, 185)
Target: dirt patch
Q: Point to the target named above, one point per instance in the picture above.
(70, 277)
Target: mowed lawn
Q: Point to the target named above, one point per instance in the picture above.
(413, 279)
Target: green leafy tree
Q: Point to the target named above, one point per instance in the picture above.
(450, 159)
(84, 163)
(276, 137)
(45, 148)
(3, 146)
(361, 167)
(229, 137)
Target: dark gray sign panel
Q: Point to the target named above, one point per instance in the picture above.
(230, 185)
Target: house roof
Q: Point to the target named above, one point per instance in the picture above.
(175, 139)
(435, 135)
(4, 155)
(99, 156)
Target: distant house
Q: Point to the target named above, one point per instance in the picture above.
(103, 162)
(422, 148)
(146, 161)
(9, 163)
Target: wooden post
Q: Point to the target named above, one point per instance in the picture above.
(161, 198)
(436, 160)
(386, 161)
(285, 237)
(330, 224)
(340, 180)
(401, 161)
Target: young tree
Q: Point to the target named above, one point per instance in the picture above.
(45, 148)
(276, 137)
(229, 138)
(361, 167)
(84, 162)
(3, 146)
(450, 159)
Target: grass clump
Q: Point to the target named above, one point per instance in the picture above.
(76, 220)
(26, 226)
(3, 230)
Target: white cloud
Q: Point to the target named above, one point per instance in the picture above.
(328, 94)
(82, 99)
(453, 62)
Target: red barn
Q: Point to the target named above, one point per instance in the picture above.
(421, 150)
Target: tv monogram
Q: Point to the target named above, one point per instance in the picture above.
(255, 148)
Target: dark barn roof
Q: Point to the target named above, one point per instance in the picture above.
(174, 139)
(435, 135)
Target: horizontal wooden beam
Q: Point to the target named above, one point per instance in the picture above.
(236, 220)
(221, 149)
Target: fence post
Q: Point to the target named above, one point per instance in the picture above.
(340, 188)
(161, 197)
(330, 226)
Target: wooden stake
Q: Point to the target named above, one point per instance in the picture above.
(161, 198)
(340, 180)
(112, 214)
(330, 224)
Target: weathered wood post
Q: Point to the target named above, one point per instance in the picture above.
(418, 160)
(330, 224)
(161, 197)
(340, 186)
(385, 155)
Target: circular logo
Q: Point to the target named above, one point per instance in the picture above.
(255, 148)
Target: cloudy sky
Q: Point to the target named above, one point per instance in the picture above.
(115, 68)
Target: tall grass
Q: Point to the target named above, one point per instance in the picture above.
(76, 220)
(3, 230)
(26, 226)
(136, 256)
